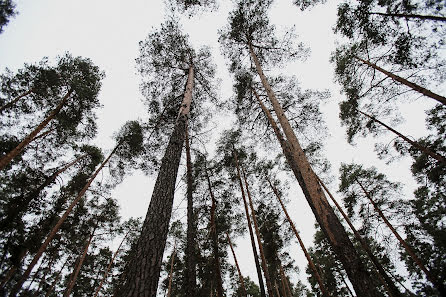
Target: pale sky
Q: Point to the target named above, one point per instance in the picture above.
(108, 32)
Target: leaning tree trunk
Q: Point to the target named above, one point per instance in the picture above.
(405, 82)
(437, 283)
(324, 214)
(293, 227)
(142, 273)
(79, 266)
(242, 282)
(59, 223)
(191, 277)
(251, 234)
(411, 16)
(214, 236)
(14, 101)
(385, 279)
(287, 285)
(50, 290)
(415, 144)
(5, 160)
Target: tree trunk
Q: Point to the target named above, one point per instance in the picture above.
(14, 101)
(191, 277)
(293, 227)
(78, 268)
(12, 270)
(242, 282)
(59, 223)
(330, 224)
(382, 275)
(5, 160)
(169, 288)
(251, 234)
(437, 284)
(142, 273)
(214, 236)
(104, 278)
(405, 82)
(411, 16)
(285, 279)
(56, 279)
(415, 144)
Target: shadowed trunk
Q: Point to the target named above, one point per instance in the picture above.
(411, 16)
(242, 282)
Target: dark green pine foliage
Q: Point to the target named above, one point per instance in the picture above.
(306, 4)
(7, 10)
(192, 7)
(252, 289)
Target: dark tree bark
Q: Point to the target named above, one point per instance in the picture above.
(242, 282)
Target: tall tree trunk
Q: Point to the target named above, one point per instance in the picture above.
(411, 16)
(5, 160)
(22, 202)
(293, 227)
(59, 223)
(142, 273)
(285, 279)
(269, 285)
(104, 278)
(14, 101)
(405, 82)
(437, 284)
(214, 236)
(242, 282)
(169, 288)
(191, 277)
(251, 234)
(382, 275)
(79, 266)
(56, 278)
(415, 144)
(329, 222)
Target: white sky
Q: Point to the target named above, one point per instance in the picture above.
(108, 32)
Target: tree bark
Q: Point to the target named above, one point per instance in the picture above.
(242, 282)
(324, 214)
(411, 16)
(59, 223)
(415, 144)
(79, 266)
(293, 227)
(382, 275)
(14, 101)
(285, 280)
(437, 284)
(142, 273)
(405, 82)
(191, 277)
(5, 160)
(251, 234)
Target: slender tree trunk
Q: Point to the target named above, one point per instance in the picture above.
(269, 286)
(415, 144)
(104, 278)
(14, 101)
(35, 274)
(191, 277)
(59, 223)
(5, 160)
(277, 289)
(287, 285)
(327, 219)
(293, 227)
(411, 16)
(251, 233)
(438, 284)
(43, 134)
(242, 282)
(142, 273)
(214, 236)
(13, 269)
(169, 288)
(56, 279)
(79, 266)
(405, 82)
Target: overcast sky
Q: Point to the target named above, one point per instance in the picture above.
(108, 32)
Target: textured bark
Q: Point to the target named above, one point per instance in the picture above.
(214, 238)
(411, 16)
(190, 259)
(59, 223)
(107, 271)
(437, 284)
(415, 144)
(405, 82)
(293, 227)
(5, 160)
(242, 282)
(79, 266)
(251, 234)
(14, 101)
(324, 214)
(169, 288)
(269, 285)
(385, 279)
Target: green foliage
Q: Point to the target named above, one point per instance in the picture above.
(305, 4)
(7, 10)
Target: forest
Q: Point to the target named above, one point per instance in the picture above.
(250, 181)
